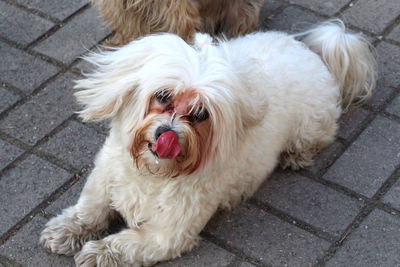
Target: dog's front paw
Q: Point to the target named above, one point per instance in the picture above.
(96, 253)
(63, 236)
(61, 239)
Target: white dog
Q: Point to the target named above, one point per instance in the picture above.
(195, 128)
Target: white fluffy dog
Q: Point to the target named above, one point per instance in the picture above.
(195, 128)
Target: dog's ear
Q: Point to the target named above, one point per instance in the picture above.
(121, 71)
(104, 91)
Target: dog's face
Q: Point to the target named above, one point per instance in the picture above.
(175, 135)
(178, 108)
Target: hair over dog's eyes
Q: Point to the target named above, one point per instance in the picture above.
(199, 115)
(163, 96)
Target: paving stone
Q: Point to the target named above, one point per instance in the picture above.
(75, 38)
(326, 7)
(326, 157)
(67, 199)
(292, 20)
(389, 63)
(381, 96)
(36, 118)
(395, 34)
(374, 243)
(26, 186)
(394, 107)
(7, 99)
(59, 9)
(246, 264)
(22, 70)
(25, 249)
(372, 15)
(84, 67)
(206, 254)
(370, 160)
(393, 196)
(309, 201)
(266, 238)
(77, 144)
(8, 153)
(21, 26)
(351, 121)
(267, 9)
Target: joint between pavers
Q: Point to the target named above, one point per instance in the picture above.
(33, 149)
(390, 116)
(33, 11)
(347, 6)
(292, 220)
(387, 185)
(12, 88)
(26, 98)
(58, 25)
(8, 262)
(240, 254)
(388, 209)
(365, 211)
(36, 211)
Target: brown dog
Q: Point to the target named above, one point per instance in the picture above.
(133, 18)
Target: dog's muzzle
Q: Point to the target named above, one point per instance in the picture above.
(167, 145)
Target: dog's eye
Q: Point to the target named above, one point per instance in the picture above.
(163, 97)
(200, 115)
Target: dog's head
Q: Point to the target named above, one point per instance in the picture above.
(177, 108)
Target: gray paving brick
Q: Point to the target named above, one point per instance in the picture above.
(389, 63)
(309, 201)
(8, 153)
(25, 249)
(394, 107)
(75, 38)
(326, 157)
(381, 95)
(370, 160)
(206, 254)
(26, 186)
(7, 99)
(59, 9)
(292, 20)
(21, 26)
(381, 231)
(395, 34)
(68, 199)
(350, 121)
(77, 144)
(326, 7)
(84, 67)
(246, 264)
(372, 15)
(33, 120)
(393, 196)
(266, 238)
(23, 70)
(267, 10)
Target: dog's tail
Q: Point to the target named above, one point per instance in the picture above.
(348, 56)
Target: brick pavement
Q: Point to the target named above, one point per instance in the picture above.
(344, 211)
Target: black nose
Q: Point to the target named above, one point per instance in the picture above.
(160, 130)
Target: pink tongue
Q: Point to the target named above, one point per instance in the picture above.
(167, 145)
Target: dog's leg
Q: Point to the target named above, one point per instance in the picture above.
(310, 138)
(87, 220)
(165, 236)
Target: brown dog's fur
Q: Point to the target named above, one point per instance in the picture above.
(133, 18)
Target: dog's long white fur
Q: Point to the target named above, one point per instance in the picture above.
(271, 100)
(349, 57)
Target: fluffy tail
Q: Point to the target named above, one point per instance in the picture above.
(348, 56)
